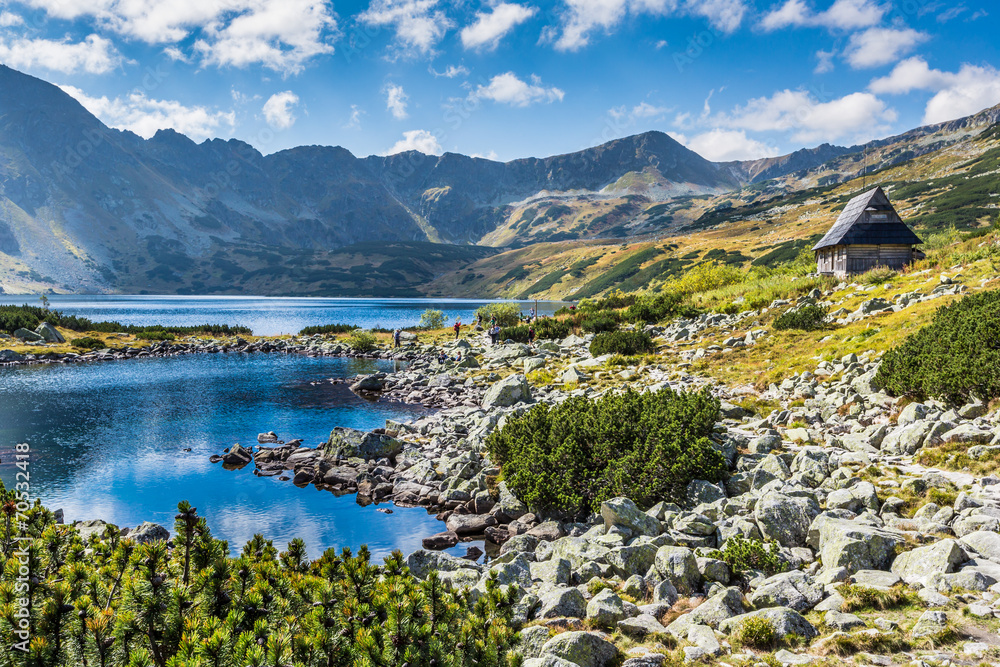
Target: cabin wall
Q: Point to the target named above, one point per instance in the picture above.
(843, 260)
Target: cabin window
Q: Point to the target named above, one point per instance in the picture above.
(880, 217)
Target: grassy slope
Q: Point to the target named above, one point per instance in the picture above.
(955, 185)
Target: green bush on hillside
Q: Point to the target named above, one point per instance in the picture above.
(88, 343)
(29, 317)
(806, 318)
(432, 319)
(155, 335)
(362, 341)
(573, 456)
(746, 555)
(628, 343)
(110, 602)
(327, 329)
(599, 322)
(544, 329)
(507, 314)
(955, 357)
(652, 308)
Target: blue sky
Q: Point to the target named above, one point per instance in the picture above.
(731, 79)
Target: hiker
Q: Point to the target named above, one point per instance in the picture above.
(442, 357)
(396, 335)
(494, 334)
(531, 335)
(457, 327)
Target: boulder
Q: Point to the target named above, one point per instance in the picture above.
(237, 456)
(855, 546)
(917, 565)
(843, 622)
(49, 333)
(605, 609)
(985, 543)
(930, 623)
(785, 519)
(373, 382)
(267, 438)
(28, 336)
(795, 590)
(716, 609)
(629, 560)
(512, 389)
(641, 626)
(351, 443)
(10, 356)
(586, 649)
(148, 532)
(623, 512)
(562, 603)
(445, 540)
(785, 621)
(470, 524)
(680, 566)
(422, 562)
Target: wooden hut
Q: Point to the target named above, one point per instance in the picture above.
(868, 233)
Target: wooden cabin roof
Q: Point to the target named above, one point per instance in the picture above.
(854, 227)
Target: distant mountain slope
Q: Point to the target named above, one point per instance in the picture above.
(87, 208)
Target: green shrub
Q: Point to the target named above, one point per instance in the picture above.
(877, 276)
(806, 318)
(29, 317)
(599, 322)
(111, 602)
(362, 341)
(550, 328)
(574, 455)
(327, 329)
(744, 555)
(518, 334)
(652, 308)
(955, 357)
(628, 343)
(507, 313)
(756, 632)
(432, 319)
(88, 343)
(155, 335)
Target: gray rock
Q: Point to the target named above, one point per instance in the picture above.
(841, 621)
(785, 519)
(875, 579)
(630, 560)
(623, 512)
(532, 640)
(606, 609)
(10, 356)
(930, 623)
(49, 333)
(704, 638)
(350, 443)
(28, 336)
(716, 609)
(148, 532)
(555, 572)
(585, 649)
(855, 546)
(680, 567)
(509, 391)
(699, 491)
(785, 621)
(641, 626)
(795, 590)
(470, 524)
(562, 603)
(985, 543)
(939, 558)
(422, 562)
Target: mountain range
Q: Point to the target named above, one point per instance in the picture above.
(88, 208)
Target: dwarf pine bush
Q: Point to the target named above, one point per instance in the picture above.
(806, 318)
(109, 602)
(573, 456)
(955, 357)
(627, 343)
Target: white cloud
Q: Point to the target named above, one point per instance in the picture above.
(278, 110)
(641, 111)
(969, 90)
(145, 116)
(417, 140)
(824, 61)
(841, 15)
(508, 89)
(94, 55)
(490, 27)
(395, 101)
(726, 145)
(451, 71)
(418, 24)
(582, 17)
(8, 19)
(492, 155)
(354, 121)
(855, 116)
(881, 46)
(279, 34)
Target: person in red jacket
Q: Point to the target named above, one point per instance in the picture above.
(457, 328)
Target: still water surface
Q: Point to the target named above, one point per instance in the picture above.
(108, 439)
(266, 316)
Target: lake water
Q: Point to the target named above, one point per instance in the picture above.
(108, 438)
(266, 316)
